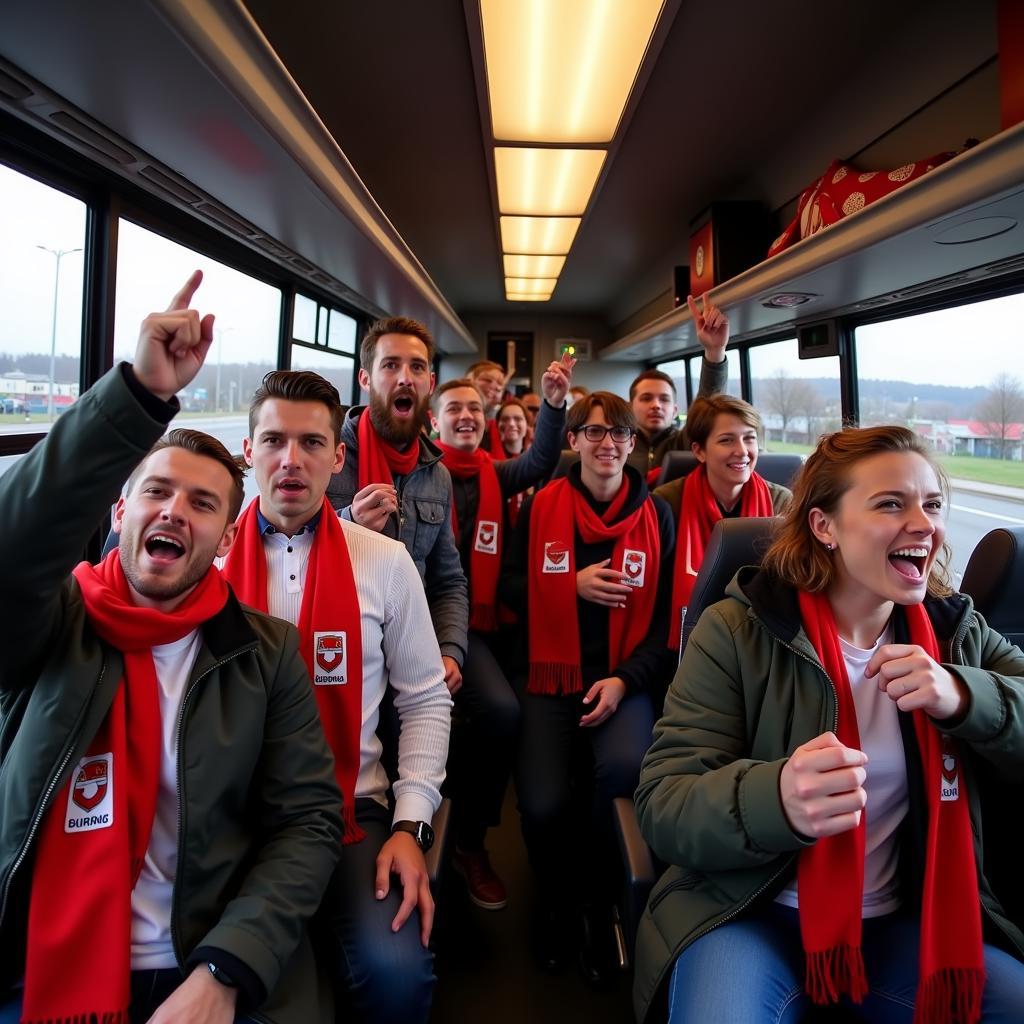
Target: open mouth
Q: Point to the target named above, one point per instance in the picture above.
(909, 562)
(404, 405)
(291, 487)
(162, 547)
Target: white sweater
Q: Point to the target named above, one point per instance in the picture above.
(399, 647)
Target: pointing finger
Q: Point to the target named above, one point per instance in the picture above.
(183, 299)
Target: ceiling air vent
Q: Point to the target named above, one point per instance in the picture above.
(12, 89)
(169, 185)
(91, 138)
(225, 219)
(1004, 266)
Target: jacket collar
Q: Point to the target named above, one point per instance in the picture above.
(228, 633)
(775, 604)
(429, 452)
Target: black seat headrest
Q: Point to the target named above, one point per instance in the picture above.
(676, 464)
(733, 544)
(994, 578)
(565, 460)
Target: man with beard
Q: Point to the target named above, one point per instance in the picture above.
(392, 481)
(170, 815)
(652, 396)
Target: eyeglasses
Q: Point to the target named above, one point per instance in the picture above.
(595, 433)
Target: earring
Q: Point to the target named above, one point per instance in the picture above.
(830, 547)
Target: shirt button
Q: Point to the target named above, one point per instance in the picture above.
(289, 550)
(291, 577)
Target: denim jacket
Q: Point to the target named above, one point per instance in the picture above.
(424, 525)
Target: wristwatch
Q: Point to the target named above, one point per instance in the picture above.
(419, 830)
(221, 975)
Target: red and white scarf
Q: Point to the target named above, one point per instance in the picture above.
(558, 513)
(380, 461)
(330, 635)
(95, 833)
(698, 513)
(488, 528)
(830, 874)
(495, 448)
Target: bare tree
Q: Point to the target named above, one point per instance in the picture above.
(782, 397)
(1002, 408)
(811, 406)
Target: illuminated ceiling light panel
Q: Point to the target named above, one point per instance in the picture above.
(530, 285)
(546, 182)
(562, 70)
(551, 236)
(515, 297)
(533, 266)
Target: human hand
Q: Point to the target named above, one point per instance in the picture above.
(557, 380)
(712, 328)
(609, 694)
(401, 856)
(822, 787)
(172, 345)
(372, 506)
(601, 585)
(916, 683)
(199, 999)
(452, 674)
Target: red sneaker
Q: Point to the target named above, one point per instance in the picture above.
(486, 889)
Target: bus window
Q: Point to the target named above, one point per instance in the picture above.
(798, 399)
(955, 377)
(333, 355)
(41, 286)
(149, 270)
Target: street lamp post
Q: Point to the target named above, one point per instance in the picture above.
(59, 253)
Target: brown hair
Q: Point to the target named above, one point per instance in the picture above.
(701, 416)
(796, 555)
(451, 385)
(393, 325)
(651, 375)
(518, 403)
(616, 411)
(198, 443)
(485, 364)
(297, 386)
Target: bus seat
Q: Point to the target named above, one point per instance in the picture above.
(733, 544)
(565, 460)
(994, 578)
(676, 464)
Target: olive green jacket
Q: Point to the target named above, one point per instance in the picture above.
(260, 827)
(750, 689)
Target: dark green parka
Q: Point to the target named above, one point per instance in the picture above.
(749, 691)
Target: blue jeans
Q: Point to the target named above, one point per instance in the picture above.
(752, 972)
(149, 990)
(378, 975)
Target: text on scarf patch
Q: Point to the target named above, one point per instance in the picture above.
(634, 565)
(91, 794)
(330, 656)
(486, 537)
(556, 556)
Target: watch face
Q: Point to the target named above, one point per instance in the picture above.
(425, 836)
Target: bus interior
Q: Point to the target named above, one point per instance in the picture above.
(330, 163)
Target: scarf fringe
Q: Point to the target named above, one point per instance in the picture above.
(835, 972)
(549, 679)
(110, 1017)
(950, 996)
(353, 833)
(483, 617)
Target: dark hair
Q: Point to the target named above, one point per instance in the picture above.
(451, 385)
(393, 325)
(297, 386)
(652, 375)
(701, 416)
(796, 555)
(616, 411)
(198, 443)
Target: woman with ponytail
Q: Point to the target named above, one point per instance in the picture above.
(818, 775)
(724, 434)
(588, 572)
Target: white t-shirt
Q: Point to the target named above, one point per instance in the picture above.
(886, 784)
(151, 900)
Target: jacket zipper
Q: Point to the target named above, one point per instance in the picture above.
(175, 940)
(51, 786)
